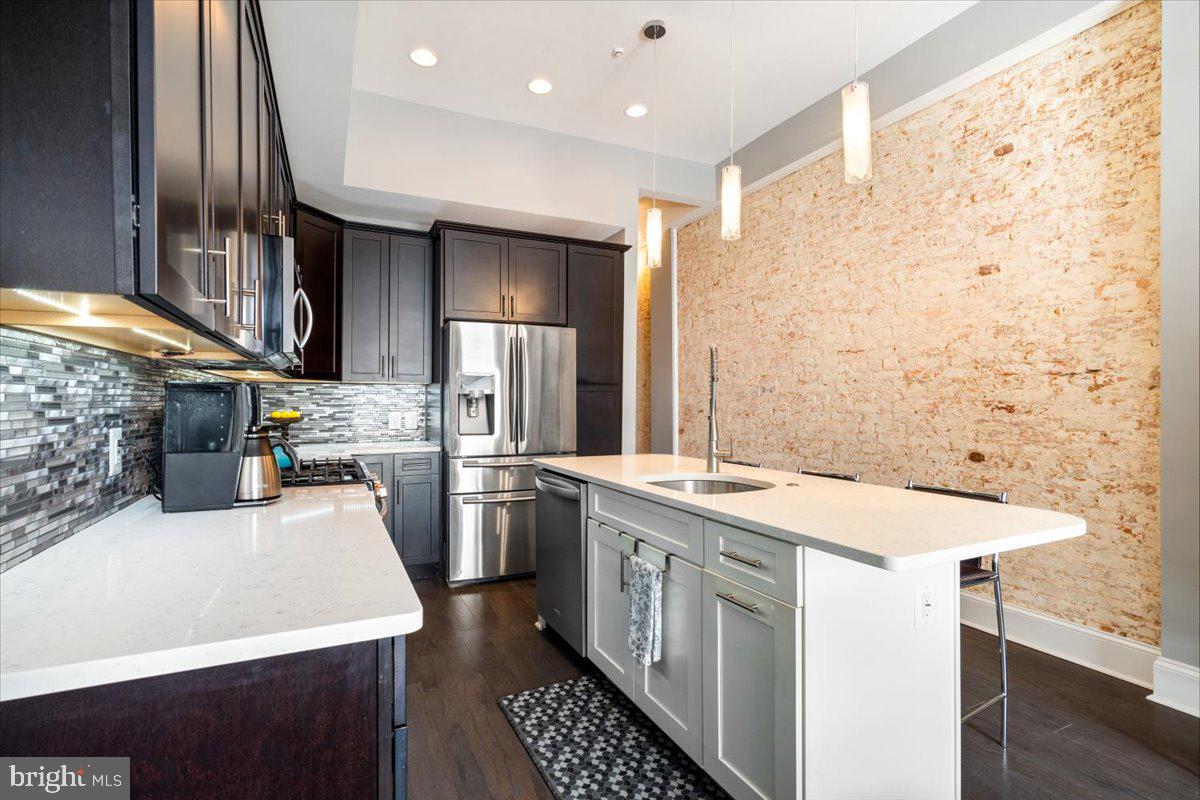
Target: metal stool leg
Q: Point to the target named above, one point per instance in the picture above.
(1003, 655)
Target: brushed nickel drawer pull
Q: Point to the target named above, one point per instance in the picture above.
(751, 607)
(736, 556)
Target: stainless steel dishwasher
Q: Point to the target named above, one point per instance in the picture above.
(561, 525)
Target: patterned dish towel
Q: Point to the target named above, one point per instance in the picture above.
(645, 611)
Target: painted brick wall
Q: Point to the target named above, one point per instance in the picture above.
(984, 313)
(58, 399)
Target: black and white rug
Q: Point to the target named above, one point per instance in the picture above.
(589, 741)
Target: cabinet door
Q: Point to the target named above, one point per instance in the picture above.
(537, 282)
(365, 334)
(597, 420)
(381, 467)
(417, 502)
(671, 691)
(475, 276)
(595, 311)
(318, 262)
(608, 606)
(752, 741)
(223, 198)
(249, 252)
(411, 358)
(181, 276)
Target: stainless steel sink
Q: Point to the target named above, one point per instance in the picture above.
(708, 483)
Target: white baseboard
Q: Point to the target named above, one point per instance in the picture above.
(1113, 655)
(1176, 685)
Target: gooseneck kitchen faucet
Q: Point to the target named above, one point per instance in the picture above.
(714, 455)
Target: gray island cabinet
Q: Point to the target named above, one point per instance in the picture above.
(810, 628)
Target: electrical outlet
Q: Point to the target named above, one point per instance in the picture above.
(412, 420)
(922, 605)
(395, 420)
(114, 452)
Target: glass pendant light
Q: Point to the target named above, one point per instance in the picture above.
(731, 174)
(654, 31)
(856, 122)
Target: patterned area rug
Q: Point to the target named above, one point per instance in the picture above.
(589, 741)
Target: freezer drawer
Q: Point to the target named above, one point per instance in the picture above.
(490, 535)
(490, 474)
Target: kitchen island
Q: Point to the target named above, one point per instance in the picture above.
(810, 626)
(255, 651)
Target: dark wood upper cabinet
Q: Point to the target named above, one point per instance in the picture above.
(366, 271)
(537, 281)
(411, 320)
(319, 272)
(596, 311)
(387, 307)
(474, 276)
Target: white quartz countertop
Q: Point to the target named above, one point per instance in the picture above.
(144, 593)
(347, 449)
(883, 526)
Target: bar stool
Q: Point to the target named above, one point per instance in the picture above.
(972, 572)
(840, 476)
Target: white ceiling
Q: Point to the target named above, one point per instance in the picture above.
(788, 55)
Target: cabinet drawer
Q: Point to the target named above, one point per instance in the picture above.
(416, 463)
(756, 561)
(670, 530)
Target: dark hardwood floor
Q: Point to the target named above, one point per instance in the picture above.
(1073, 733)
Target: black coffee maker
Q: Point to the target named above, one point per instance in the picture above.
(204, 436)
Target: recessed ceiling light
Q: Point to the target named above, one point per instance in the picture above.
(539, 86)
(423, 57)
(636, 110)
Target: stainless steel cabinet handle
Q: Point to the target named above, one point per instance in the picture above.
(502, 304)
(751, 607)
(487, 501)
(302, 297)
(393, 372)
(258, 311)
(736, 556)
(228, 298)
(512, 305)
(382, 365)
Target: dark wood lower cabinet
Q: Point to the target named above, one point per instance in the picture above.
(598, 419)
(317, 724)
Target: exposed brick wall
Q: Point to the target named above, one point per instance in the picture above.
(984, 313)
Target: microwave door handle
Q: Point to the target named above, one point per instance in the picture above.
(302, 297)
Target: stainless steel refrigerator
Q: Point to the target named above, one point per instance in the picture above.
(508, 395)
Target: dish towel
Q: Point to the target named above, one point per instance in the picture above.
(645, 611)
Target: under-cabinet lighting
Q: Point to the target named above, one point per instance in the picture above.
(47, 299)
(158, 337)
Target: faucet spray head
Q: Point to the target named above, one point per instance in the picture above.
(712, 363)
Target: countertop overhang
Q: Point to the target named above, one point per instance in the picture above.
(884, 526)
(143, 593)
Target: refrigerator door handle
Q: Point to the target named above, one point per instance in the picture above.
(522, 393)
(510, 381)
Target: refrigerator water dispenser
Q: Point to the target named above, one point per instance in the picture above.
(476, 404)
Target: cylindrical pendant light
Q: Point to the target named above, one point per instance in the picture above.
(731, 202)
(731, 174)
(856, 122)
(654, 30)
(654, 237)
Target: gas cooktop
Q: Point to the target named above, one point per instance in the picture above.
(325, 471)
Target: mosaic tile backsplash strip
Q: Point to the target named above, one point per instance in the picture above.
(58, 399)
(352, 412)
